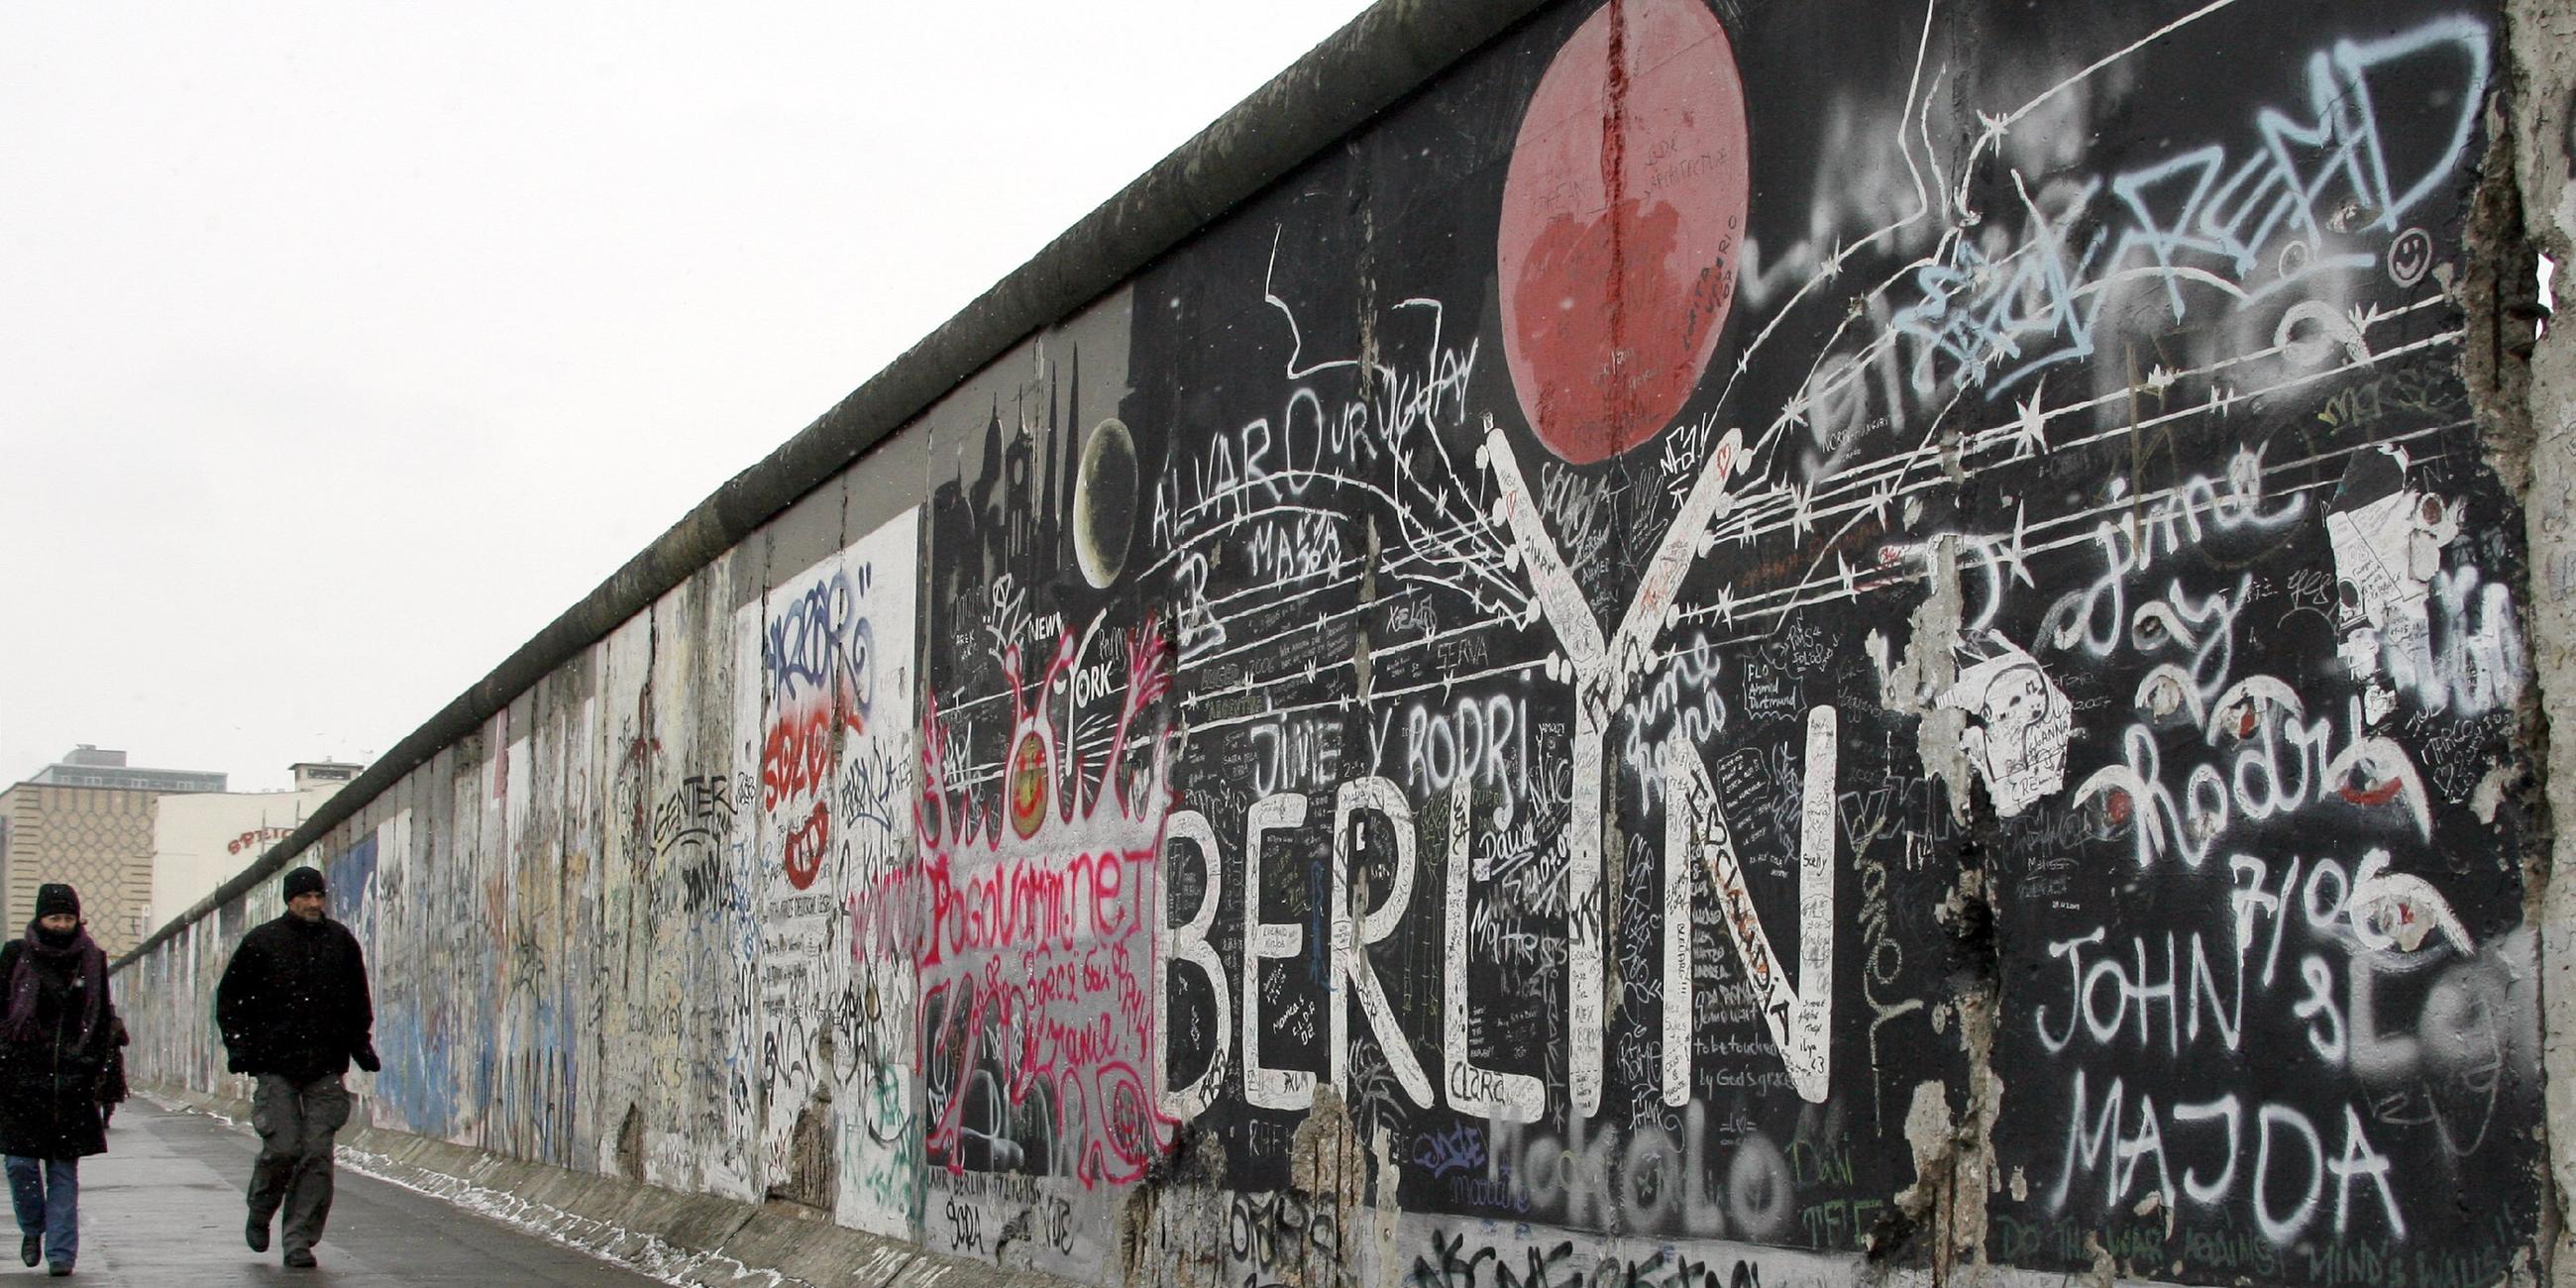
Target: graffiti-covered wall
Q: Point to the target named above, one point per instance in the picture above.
(1745, 643)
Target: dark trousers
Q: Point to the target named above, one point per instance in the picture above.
(296, 1122)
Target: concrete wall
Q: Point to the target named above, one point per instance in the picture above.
(1741, 644)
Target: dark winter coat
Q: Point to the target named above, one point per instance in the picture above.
(48, 1082)
(294, 1002)
(112, 1089)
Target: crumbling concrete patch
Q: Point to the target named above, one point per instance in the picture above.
(1170, 1229)
(2523, 383)
(1329, 1168)
(1930, 667)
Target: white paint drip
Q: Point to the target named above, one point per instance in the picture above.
(2548, 306)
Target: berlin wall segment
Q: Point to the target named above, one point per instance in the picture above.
(1745, 644)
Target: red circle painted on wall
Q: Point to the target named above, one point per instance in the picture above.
(1028, 784)
(1622, 213)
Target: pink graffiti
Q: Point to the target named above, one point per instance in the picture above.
(1029, 919)
(796, 767)
(257, 837)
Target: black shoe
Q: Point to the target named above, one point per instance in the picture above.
(255, 1234)
(58, 1269)
(31, 1249)
(300, 1259)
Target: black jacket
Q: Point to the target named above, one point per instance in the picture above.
(48, 1086)
(294, 1002)
(112, 1088)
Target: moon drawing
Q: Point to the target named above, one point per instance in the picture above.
(1622, 213)
(1104, 503)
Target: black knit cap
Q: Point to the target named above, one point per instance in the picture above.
(303, 881)
(53, 897)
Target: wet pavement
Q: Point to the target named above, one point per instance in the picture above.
(164, 1207)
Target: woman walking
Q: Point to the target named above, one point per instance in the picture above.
(57, 1029)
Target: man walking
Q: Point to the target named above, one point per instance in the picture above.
(294, 1011)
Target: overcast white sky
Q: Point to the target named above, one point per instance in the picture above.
(342, 345)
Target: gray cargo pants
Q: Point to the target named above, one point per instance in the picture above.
(296, 1122)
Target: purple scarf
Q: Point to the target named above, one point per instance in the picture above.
(18, 1023)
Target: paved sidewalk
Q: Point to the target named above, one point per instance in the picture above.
(164, 1207)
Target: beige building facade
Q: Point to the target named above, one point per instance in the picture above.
(201, 841)
(88, 820)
